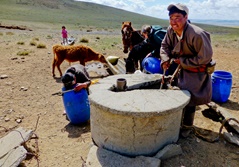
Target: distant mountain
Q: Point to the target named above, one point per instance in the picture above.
(218, 22)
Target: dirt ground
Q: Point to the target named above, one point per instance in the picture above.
(26, 94)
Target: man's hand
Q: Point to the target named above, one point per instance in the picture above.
(149, 55)
(80, 86)
(165, 65)
(177, 61)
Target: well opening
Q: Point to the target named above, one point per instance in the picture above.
(155, 84)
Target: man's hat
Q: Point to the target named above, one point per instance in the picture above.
(67, 79)
(179, 6)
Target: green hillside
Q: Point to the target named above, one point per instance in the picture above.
(55, 13)
(71, 13)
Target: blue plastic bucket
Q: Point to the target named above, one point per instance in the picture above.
(152, 65)
(77, 106)
(221, 86)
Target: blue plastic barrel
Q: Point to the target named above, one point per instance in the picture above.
(77, 106)
(221, 86)
(152, 65)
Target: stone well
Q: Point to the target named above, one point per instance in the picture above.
(136, 122)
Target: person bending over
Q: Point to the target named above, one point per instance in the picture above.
(76, 77)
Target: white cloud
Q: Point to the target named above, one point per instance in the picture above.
(198, 9)
(214, 9)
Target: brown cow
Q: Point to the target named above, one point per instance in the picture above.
(79, 53)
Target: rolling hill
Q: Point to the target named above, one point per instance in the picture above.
(80, 15)
(71, 13)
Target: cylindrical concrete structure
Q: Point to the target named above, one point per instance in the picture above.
(136, 122)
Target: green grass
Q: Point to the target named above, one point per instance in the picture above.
(83, 16)
(23, 53)
(9, 33)
(33, 43)
(72, 14)
(20, 43)
(84, 40)
(41, 45)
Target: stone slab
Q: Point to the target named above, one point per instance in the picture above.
(232, 138)
(227, 115)
(11, 142)
(169, 151)
(96, 69)
(14, 157)
(99, 157)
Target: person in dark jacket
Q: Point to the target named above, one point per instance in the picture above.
(153, 35)
(76, 77)
(191, 48)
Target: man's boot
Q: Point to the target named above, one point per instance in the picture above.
(187, 120)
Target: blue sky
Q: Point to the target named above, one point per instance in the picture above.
(198, 9)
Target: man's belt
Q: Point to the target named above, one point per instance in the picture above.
(198, 69)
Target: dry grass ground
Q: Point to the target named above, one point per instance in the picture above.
(62, 144)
